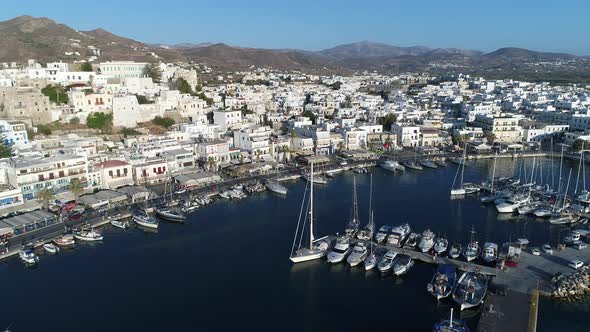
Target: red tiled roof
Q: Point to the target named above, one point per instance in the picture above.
(111, 163)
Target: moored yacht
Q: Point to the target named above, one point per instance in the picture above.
(65, 240)
(170, 214)
(51, 248)
(398, 235)
(340, 250)
(443, 281)
(455, 250)
(412, 165)
(392, 166)
(28, 257)
(89, 236)
(511, 204)
(387, 262)
(382, 233)
(428, 163)
(471, 290)
(145, 220)
(275, 187)
(402, 265)
(412, 241)
(427, 241)
(471, 251)
(315, 179)
(358, 254)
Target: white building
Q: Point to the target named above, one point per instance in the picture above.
(13, 133)
(227, 120)
(122, 69)
(407, 135)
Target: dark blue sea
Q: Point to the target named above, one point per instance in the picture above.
(227, 268)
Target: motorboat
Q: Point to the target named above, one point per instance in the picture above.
(382, 233)
(65, 240)
(89, 236)
(511, 204)
(51, 248)
(451, 325)
(145, 220)
(402, 265)
(358, 254)
(443, 281)
(412, 165)
(28, 257)
(170, 214)
(412, 241)
(120, 224)
(440, 163)
(427, 241)
(471, 290)
(225, 195)
(392, 166)
(489, 252)
(341, 249)
(527, 209)
(275, 187)
(562, 220)
(428, 163)
(455, 250)
(441, 245)
(387, 261)
(398, 235)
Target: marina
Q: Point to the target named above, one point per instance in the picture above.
(532, 271)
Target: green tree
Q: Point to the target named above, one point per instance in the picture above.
(151, 70)
(76, 187)
(75, 121)
(5, 151)
(183, 86)
(163, 121)
(143, 100)
(336, 85)
(311, 116)
(99, 120)
(45, 195)
(44, 129)
(86, 66)
(56, 94)
(340, 146)
(388, 120)
(211, 163)
(129, 132)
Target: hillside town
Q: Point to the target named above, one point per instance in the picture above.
(98, 133)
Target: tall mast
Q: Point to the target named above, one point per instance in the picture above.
(311, 210)
(463, 163)
(566, 189)
(578, 177)
(355, 212)
(494, 171)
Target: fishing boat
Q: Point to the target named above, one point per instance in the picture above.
(489, 252)
(398, 235)
(412, 165)
(392, 166)
(443, 281)
(450, 325)
(316, 248)
(428, 164)
(65, 240)
(28, 257)
(88, 235)
(387, 262)
(412, 241)
(382, 233)
(402, 265)
(120, 224)
(472, 250)
(455, 250)
(427, 241)
(358, 254)
(145, 220)
(170, 214)
(441, 245)
(471, 290)
(275, 187)
(340, 250)
(51, 248)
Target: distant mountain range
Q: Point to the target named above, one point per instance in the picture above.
(27, 37)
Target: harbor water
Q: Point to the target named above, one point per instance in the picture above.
(227, 267)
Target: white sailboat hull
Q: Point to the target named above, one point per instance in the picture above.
(298, 258)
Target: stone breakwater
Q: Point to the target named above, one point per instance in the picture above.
(571, 287)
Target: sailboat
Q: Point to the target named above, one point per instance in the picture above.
(317, 248)
(353, 225)
(372, 258)
(451, 325)
(492, 196)
(366, 234)
(472, 250)
(462, 190)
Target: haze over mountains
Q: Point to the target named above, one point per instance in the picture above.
(43, 39)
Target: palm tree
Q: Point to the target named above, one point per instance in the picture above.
(285, 149)
(211, 162)
(45, 195)
(76, 187)
(340, 146)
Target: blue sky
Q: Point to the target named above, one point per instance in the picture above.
(559, 26)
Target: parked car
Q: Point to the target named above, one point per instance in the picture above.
(580, 245)
(547, 249)
(576, 264)
(536, 252)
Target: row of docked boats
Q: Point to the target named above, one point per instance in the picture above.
(417, 165)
